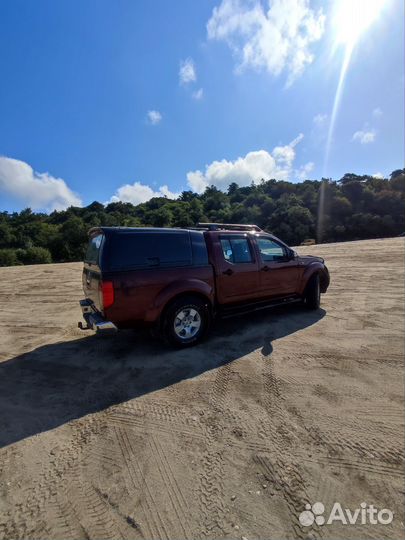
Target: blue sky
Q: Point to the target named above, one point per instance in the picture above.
(120, 100)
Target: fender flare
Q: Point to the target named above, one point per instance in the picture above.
(313, 268)
(175, 289)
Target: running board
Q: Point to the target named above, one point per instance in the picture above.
(249, 308)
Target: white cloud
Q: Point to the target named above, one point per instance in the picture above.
(377, 112)
(154, 117)
(319, 130)
(137, 193)
(198, 94)
(276, 40)
(253, 167)
(39, 191)
(303, 172)
(187, 72)
(364, 137)
(320, 120)
(378, 175)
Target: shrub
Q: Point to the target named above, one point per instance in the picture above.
(8, 257)
(34, 255)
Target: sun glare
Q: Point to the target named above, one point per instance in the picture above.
(353, 17)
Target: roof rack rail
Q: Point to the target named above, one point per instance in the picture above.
(228, 227)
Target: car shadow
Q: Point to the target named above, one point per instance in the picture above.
(56, 383)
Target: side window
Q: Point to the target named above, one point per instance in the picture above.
(199, 248)
(93, 249)
(149, 249)
(270, 250)
(236, 250)
(227, 249)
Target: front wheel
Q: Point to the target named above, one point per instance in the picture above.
(186, 321)
(312, 296)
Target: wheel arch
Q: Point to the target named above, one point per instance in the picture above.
(177, 290)
(313, 269)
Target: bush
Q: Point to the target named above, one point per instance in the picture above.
(34, 255)
(8, 257)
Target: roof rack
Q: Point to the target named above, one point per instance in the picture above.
(228, 227)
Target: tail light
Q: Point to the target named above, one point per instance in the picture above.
(107, 292)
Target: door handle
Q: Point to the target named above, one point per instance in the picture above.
(265, 268)
(228, 272)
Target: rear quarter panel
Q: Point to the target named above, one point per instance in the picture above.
(141, 295)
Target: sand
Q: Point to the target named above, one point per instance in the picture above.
(120, 437)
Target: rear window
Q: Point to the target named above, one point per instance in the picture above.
(146, 250)
(93, 249)
(199, 247)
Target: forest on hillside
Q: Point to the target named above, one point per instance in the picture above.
(352, 208)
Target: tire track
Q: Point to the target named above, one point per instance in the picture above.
(175, 495)
(210, 492)
(96, 517)
(290, 485)
(280, 470)
(151, 514)
(50, 480)
(150, 426)
(361, 466)
(153, 506)
(152, 530)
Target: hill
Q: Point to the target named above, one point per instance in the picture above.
(353, 208)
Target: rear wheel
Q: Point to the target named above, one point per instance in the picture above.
(312, 296)
(186, 321)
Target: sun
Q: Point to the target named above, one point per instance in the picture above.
(353, 17)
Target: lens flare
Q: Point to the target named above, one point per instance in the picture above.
(350, 19)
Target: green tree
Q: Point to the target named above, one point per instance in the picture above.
(8, 257)
(34, 255)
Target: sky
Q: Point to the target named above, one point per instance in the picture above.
(126, 100)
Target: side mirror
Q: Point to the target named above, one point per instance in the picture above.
(291, 254)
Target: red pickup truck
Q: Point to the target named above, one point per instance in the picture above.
(178, 280)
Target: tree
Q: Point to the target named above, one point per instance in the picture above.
(161, 217)
(357, 206)
(74, 238)
(8, 257)
(34, 255)
(7, 237)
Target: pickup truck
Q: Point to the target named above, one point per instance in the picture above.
(178, 280)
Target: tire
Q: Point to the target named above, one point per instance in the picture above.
(186, 321)
(312, 296)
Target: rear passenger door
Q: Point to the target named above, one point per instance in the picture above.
(279, 273)
(237, 273)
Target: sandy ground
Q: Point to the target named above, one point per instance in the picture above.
(121, 438)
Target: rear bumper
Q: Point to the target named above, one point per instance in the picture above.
(93, 318)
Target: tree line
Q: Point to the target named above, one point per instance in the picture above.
(352, 208)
